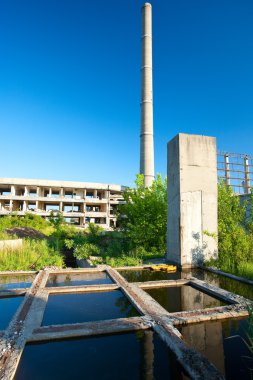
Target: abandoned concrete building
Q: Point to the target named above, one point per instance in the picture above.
(81, 203)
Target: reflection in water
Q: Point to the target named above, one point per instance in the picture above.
(148, 356)
(15, 282)
(8, 306)
(85, 307)
(76, 279)
(225, 283)
(143, 275)
(135, 356)
(222, 343)
(183, 298)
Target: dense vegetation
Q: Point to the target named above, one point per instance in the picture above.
(34, 255)
(140, 237)
(142, 234)
(29, 220)
(37, 250)
(235, 232)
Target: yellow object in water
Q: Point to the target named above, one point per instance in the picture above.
(165, 268)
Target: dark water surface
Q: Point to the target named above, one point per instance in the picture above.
(183, 298)
(76, 279)
(130, 356)
(226, 283)
(8, 307)
(85, 307)
(143, 275)
(222, 344)
(15, 282)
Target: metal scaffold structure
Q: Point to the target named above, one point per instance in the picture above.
(236, 170)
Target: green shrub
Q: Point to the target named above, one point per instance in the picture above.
(85, 250)
(123, 261)
(28, 220)
(235, 243)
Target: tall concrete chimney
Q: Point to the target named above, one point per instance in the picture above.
(147, 138)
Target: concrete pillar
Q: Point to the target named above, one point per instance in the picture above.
(192, 200)
(26, 191)
(146, 137)
(13, 190)
(50, 192)
(247, 178)
(61, 192)
(227, 171)
(24, 206)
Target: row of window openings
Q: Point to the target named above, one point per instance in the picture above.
(67, 194)
(32, 207)
(76, 221)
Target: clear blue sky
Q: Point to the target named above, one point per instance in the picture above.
(70, 83)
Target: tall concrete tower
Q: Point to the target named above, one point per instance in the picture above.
(147, 138)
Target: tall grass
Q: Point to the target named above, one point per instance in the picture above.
(33, 255)
(245, 270)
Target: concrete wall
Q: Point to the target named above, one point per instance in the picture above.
(11, 244)
(192, 199)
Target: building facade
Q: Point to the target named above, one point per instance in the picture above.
(80, 203)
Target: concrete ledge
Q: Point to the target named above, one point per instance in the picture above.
(17, 273)
(26, 324)
(229, 275)
(161, 284)
(81, 288)
(12, 293)
(101, 268)
(219, 292)
(111, 326)
(214, 314)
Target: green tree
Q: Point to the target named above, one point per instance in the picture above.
(234, 235)
(56, 219)
(144, 215)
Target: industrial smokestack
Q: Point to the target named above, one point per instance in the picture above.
(147, 138)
